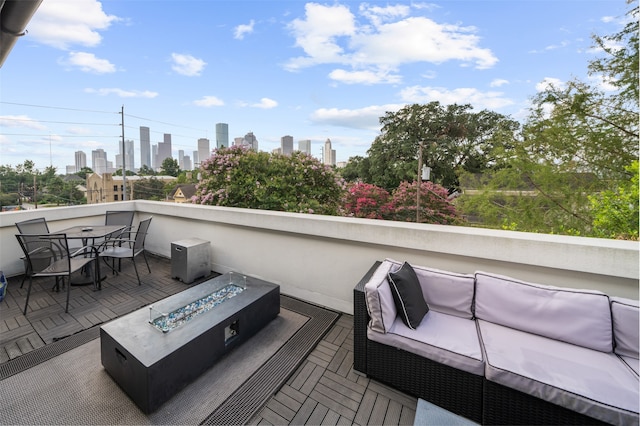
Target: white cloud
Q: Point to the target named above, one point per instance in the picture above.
(497, 82)
(243, 29)
(88, 62)
(549, 82)
(463, 95)
(123, 93)
(209, 101)
(387, 39)
(20, 121)
(367, 118)
(265, 103)
(63, 23)
(364, 77)
(187, 64)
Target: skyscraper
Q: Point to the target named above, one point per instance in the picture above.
(328, 154)
(203, 149)
(181, 159)
(81, 160)
(128, 158)
(99, 161)
(164, 150)
(145, 147)
(286, 145)
(154, 157)
(196, 160)
(251, 141)
(222, 135)
(305, 146)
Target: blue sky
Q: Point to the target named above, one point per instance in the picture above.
(312, 70)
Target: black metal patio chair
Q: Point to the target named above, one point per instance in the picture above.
(48, 255)
(118, 248)
(37, 226)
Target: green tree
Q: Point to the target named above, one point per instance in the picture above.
(146, 171)
(170, 167)
(616, 213)
(149, 189)
(578, 142)
(453, 139)
(84, 172)
(435, 206)
(239, 177)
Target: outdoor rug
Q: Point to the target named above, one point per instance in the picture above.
(73, 388)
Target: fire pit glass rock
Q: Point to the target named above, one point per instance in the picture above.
(167, 321)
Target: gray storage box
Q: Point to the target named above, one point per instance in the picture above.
(190, 259)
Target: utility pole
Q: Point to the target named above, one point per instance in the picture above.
(419, 182)
(35, 197)
(124, 169)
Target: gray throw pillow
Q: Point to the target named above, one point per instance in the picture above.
(407, 295)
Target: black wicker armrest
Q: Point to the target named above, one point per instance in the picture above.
(360, 321)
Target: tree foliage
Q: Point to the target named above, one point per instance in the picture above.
(578, 142)
(367, 201)
(170, 167)
(149, 189)
(434, 204)
(239, 177)
(453, 137)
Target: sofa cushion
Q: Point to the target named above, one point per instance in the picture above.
(380, 304)
(626, 326)
(446, 292)
(590, 382)
(633, 363)
(407, 295)
(581, 317)
(442, 338)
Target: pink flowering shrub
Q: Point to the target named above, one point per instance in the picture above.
(239, 177)
(434, 205)
(367, 201)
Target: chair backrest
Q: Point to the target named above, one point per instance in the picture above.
(41, 250)
(141, 234)
(33, 226)
(119, 217)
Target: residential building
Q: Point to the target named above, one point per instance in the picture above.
(222, 135)
(286, 145)
(305, 146)
(145, 147)
(183, 193)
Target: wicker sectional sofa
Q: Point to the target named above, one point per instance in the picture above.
(502, 351)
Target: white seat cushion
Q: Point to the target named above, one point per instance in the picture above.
(587, 381)
(443, 338)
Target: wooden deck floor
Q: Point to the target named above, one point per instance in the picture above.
(323, 390)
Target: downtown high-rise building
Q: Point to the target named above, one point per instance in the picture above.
(80, 160)
(181, 159)
(99, 161)
(196, 160)
(222, 135)
(154, 157)
(251, 141)
(286, 145)
(204, 150)
(328, 154)
(164, 150)
(128, 158)
(145, 147)
(305, 146)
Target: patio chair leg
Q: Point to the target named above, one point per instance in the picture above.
(136, 269)
(66, 309)
(26, 303)
(145, 261)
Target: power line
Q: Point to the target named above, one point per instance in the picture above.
(56, 122)
(163, 122)
(61, 108)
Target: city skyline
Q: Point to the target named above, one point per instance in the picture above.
(100, 157)
(88, 72)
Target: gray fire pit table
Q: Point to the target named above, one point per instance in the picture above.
(155, 351)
